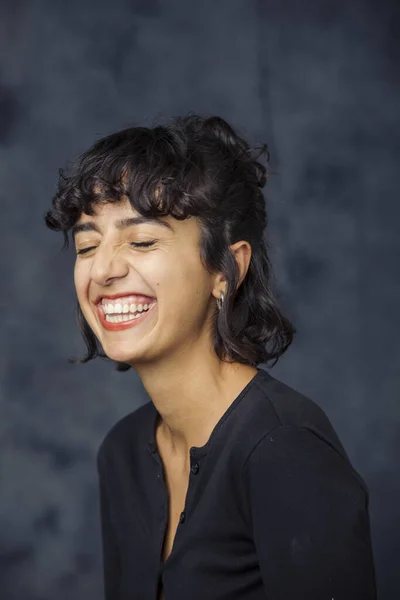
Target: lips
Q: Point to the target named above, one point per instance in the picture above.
(124, 324)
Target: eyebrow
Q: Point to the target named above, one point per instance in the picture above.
(121, 224)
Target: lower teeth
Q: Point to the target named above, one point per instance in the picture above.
(123, 318)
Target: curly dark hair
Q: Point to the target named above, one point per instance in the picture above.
(189, 166)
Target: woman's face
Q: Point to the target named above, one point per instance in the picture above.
(113, 277)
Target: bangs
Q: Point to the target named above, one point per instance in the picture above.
(150, 168)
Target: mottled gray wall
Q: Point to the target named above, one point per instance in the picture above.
(319, 81)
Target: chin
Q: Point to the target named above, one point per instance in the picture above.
(117, 353)
(119, 356)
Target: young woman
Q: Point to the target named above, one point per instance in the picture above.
(227, 484)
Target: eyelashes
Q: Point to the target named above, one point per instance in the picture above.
(84, 250)
(134, 244)
(143, 244)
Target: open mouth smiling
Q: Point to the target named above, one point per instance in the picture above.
(122, 312)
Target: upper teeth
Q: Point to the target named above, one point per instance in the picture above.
(121, 308)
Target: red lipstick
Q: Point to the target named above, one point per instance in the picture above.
(124, 324)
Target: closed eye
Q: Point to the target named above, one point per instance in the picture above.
(135, 244)
(84, 250)
(142, 244)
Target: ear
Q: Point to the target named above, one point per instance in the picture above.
(242, 253)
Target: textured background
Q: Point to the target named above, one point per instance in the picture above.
(318, 81)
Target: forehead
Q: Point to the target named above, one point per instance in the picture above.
(121, 215)
(109, 211)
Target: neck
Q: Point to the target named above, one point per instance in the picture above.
(191, 397)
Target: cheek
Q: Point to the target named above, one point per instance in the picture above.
(184, 285)
(80, 281)
(176, 276)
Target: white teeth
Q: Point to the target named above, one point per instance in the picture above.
(127, 315)
(120, 308)
(121, 318)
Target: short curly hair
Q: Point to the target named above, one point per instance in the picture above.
(189, 166)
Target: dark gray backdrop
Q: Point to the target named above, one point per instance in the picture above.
(318, 81)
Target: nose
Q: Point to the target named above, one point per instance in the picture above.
(107, 266)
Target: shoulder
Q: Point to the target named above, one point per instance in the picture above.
(294, 469)
(129, 431)
(292, 429)
(286, 407)
(291, 406)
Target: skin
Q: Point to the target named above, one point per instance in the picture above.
(171, 350)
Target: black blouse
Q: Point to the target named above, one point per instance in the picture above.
(274, 509)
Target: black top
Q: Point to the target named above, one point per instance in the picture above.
(274, 509)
